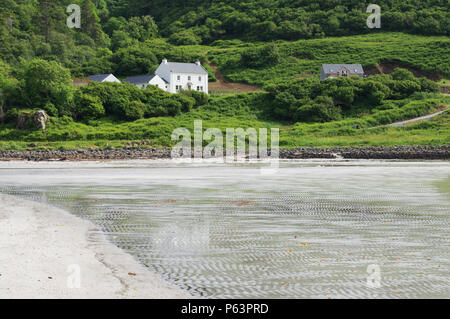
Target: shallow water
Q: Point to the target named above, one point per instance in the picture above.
(309, 231)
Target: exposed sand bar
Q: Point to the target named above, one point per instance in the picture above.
(42, 248)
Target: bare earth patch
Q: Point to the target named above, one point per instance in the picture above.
(387, 67)
(223, 86)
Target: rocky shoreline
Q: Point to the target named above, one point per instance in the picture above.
(128, 153)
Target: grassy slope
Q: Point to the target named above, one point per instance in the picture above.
(244, 110)
(429, 54)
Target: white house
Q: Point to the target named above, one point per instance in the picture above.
(186, 76)
(104, 78)
(145, 80)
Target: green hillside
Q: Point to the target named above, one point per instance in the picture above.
(276, 46)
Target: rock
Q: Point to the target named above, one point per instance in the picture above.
(40, 119)
(31, 119)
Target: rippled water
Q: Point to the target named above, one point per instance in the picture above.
(311, 230)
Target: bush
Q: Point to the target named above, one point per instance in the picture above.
(51, 109)
(11, 115)
(185, 37)
(400, 74)
(88, 107)
(134, 110)
(201, 98)
(322, 109)
(428, 85)
(267, 55)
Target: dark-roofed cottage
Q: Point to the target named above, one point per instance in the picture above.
(330, 71)
(104, 78)
(143, 81)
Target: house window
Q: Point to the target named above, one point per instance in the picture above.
(178, 77)
(189, 78)
(199, 78)
(198, 88)
(177, 88)
(201, 88)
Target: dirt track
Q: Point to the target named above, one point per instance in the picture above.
(222, 85)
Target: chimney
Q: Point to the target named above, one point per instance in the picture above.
(164, 61)
(197, 62)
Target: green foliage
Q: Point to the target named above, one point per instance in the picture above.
(311, 100)
(134, 110)
(400, 74)
(201, 98)
(45, 82)
(241, 110)
(267, 55)
(280, 19)
(134, 60)
(90, 22)
(127, 102)
(185, 37)
(322, 109)
(87, 107)
(141, 28)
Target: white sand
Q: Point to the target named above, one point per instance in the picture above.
(38, 242)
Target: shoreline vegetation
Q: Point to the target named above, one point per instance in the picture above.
(437, 152)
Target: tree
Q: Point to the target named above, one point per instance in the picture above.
(142, 28)
(50, 15)
(90, 22)
(5, 72)
(137, 59)
(185, 37)
(45, 82)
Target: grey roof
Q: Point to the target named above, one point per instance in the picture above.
(141, 79)
(99, 78)
(333, 68)
(178, 67)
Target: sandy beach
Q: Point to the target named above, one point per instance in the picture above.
(46, 252)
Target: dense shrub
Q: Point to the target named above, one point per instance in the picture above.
(134, 110)
(136, 59)
(267, 55)
(185, 37)
(309, 99)
(87, 107)
(322, 109)
(201, 98)
(128, 102)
